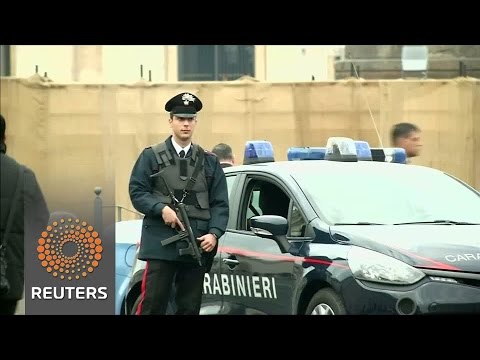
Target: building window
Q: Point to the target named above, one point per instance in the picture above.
(215, 62)
(5, 60)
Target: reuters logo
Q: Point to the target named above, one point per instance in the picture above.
(69, 250)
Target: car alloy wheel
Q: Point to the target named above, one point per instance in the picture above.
(322, 309)
(325, 302)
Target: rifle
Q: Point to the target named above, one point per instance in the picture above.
(192, 248)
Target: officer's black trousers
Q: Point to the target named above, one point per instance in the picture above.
(157, 285)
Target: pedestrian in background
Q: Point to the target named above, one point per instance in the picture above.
(407, 136)
(225, 155)
(24, 214)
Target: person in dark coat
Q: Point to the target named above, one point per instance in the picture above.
(161, 176)
(30, 217)
(225, 155)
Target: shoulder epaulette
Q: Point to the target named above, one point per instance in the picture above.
(210, 153)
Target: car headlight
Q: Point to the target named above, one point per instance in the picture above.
(373, 266)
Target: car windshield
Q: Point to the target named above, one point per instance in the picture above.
(398, 195)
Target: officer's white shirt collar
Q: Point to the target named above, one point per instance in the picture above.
(178, 148)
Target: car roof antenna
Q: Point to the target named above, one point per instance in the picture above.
(366, 101)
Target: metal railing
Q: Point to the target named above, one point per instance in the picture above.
(465, 66)
(119, 211)
(98, 209)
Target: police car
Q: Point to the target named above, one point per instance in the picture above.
(127, 236)
(351, 231)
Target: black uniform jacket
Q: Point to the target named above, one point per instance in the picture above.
(154, 229)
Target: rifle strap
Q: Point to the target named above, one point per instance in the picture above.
(198, 167)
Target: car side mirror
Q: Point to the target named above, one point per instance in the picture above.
(271, 227)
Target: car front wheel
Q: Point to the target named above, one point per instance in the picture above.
(135, 305)
(326, 302)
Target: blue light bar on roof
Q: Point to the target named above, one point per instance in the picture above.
(337, 149)
(341, 149)
(363, 150)
(392, 155)
(306, 153)
(258, 151)
(395, 155)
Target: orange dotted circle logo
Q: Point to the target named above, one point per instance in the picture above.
(69, 250)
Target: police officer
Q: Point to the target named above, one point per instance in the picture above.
(225, 155)
(173, 163)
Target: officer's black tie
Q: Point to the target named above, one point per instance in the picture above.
(182, 154)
